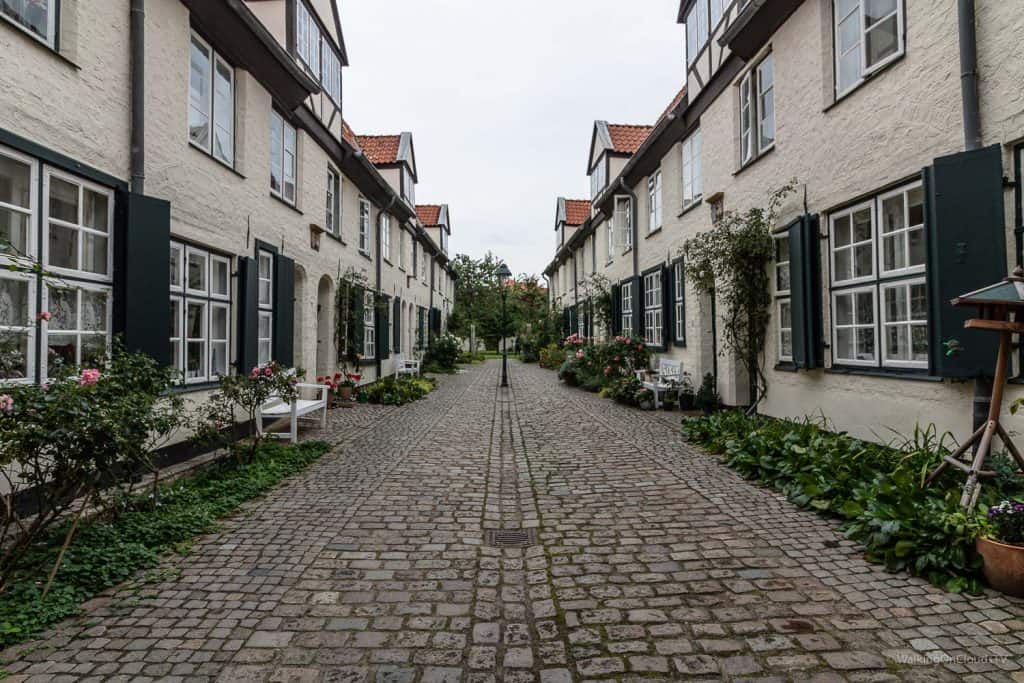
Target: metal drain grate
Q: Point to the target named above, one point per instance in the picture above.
(510, 538)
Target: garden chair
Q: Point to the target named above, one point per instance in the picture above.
(406, 366)
(277, 409)
(669, 377)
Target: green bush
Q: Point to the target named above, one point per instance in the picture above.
(595, 366)
(110, 549)
(875, 488)
(528, 352)
(397, 392)
(442, 352)
(707, 398)
(552, 357)
(465, 358)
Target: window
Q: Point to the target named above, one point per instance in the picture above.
(282, 158)
(717, 11)
(785, 314)
(610, 228)
(35, 17)
(598, 177)
(782, 265)
(653, 308)
(369, 326)
(696, 30)
(78, 219)
(307, 38)
(18, 182)
(385, 236)
(654, 201)
(401, 248)
(211, 102)
(757, 110)
(200, 312)
(78, 332)
(364, 226)
(408, 186)
(623, 218)
(265, 321)
(679, 301)
(17, 326)
(868, 35)
(692, 190)
(423, 266)
(879, 298)
(331, 78)
(627, 309)
(332, 217)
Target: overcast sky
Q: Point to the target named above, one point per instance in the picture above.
(501, 99)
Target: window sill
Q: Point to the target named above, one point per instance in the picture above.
(786, 366)
(336, 238)
(753, 161)
(192, 388)
(24, 33)
(892, 373)
(365, 254)
(652, 233)
(286, 203)
(690, 207)
(864, 81)
(220, 162)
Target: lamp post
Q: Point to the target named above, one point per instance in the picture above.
(504, 275)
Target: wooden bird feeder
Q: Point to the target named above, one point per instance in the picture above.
(998, 307)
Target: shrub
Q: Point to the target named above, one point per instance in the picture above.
(875, 488)
(442, 352)
(397, 392)
(595, 366)
(465, 358)
(707, 398)
(528, 352)
(552, 357)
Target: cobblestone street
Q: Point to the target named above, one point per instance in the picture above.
(652, 561)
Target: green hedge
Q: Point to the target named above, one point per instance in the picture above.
(106, 552)
(875, 489)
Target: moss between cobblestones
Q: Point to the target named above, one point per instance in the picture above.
(107, 551)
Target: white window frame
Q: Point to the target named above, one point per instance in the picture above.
(364, 226)
(31, 242)
(288, 169)
(855, 325)
(866, 70)
(751, 103)
(623, 218)
(265, 310)
(779, 303)
(626, 311)
(50, 39)
(203, 340)
(80, 229)
(909, 323)
(697, 30)
(307, 38)
(369, 325)
(205, 255)
(211, 102)
(654, 218)
(903, 232)
(26, 327)
(692, 170)
(332, 214)
(225, 341)
(331, 77)
(385, 236)
(852, 246)
(45, 331)
(267, 341)
(764, 93)
(182, 296)
(781, 262)
(679, 301)
(598, 177)
(654, 309)
(401, 248)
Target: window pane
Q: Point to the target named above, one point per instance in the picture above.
(15, 181)
(94, 311)
(264, 327)
(844, 310)
(197, 271)
(34, 15)
(918, 301)
(14, 303)
(875, 10)
(224, 115)
(195, 323)
(919, 343)
(892, 214)
(786, 344)
(915, 204)
(63, 200)
(844, 343)
(276, 152)
(864, 265)
(264, 353)
(844, 265)
(219, 358)
(199, 96)
(882, 41)
(175, 274)
(96, 214)
(862, 225)
(94, 349)
(14, 227)
(865, 308)
(63, 245)
(94, 254)
(849, 69)
(62, 351)
(175, 322)
(895, 304)
(63, 307)
(893, 253)
(218, 323)
(195, 360)
(841, 231)
(865, 343)
(897, 346)
(785, 315)
(782, 278)
(289, 162)
(14, 355)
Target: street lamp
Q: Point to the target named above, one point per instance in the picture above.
(504, 275)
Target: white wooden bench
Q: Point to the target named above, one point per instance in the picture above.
(669, 377)
(277, 409)
(406, 366)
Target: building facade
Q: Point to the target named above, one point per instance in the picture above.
(183, 177)
(896, 210)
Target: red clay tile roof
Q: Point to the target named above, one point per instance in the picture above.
(380, 149)
(673, 104)
(430, 214)
(577, 211)
(348, 134)
(627, 139)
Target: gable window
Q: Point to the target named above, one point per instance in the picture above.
(696, 30)
(879, 299)
(408, 186)
(653, 308)
(369, 325)
(654, 201)
(598, 177)
(265, 321)
(610, 236)
(623, 218)
(332, 216)
(757, 110)
(627, 309)
(364, 226)
(331, 79)
(307, 38)
(38, 18)
(692, 189)
(211, 102)
(679, 301)
(385, 237)
(282, 158)
(868, 35)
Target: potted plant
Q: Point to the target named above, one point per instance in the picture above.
(645, 399)
(1003, 548)
(669, 404)
(347, 384)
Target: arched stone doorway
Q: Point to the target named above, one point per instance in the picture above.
(302, 316)
(325, 357)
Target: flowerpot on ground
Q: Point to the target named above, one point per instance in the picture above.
(344, 394)
(1004, 566)
(646, 405)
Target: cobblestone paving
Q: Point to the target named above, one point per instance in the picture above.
(654, 562)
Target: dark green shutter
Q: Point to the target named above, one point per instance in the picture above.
(805, 292)
(397, 316)
(678, 339)
(381, 317)
(284, 310)
(566, 322)
(358, 325)
(666, 306)
(248, 304)
(615, 324)
(142, 273)
(966, 237)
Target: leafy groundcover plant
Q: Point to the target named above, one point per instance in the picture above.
(135, 534)
(397, 392)
(875, 489)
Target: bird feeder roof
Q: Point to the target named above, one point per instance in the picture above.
(1007, 292)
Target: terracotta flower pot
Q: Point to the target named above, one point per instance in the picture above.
(345, 393)
(1004, 566)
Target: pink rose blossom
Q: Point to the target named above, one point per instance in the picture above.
(89, 376)
(45, 315)
(6, 403)
(268, 371)
(255, 372)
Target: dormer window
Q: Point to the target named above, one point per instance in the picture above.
(598, 178)
(408, 186)
(696, 30)
(316, 53)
